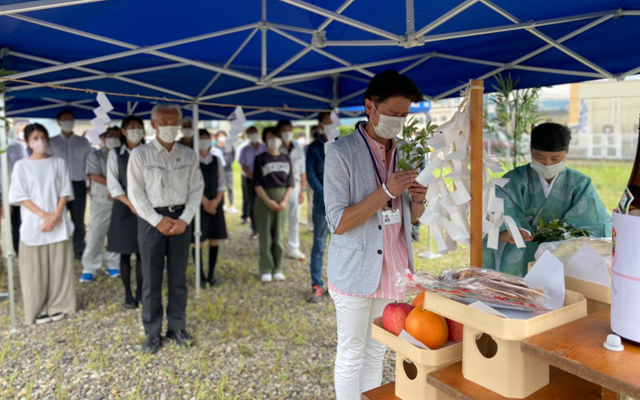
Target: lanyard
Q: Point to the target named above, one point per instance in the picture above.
(375, 164)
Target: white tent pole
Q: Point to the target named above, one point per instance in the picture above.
(229, 61)
(531, 55)
(411, 20)
(8, 242)
(341, 18)
(198, 231)
(552, 42)
(29, 6)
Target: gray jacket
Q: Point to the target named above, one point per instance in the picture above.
(355, 257)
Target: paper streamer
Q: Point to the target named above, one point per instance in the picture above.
(101, 119)
(448, 213)
(237, 124)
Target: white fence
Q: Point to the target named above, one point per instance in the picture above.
(596, 146)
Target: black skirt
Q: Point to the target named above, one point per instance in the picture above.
(213, 226)
(123, 231)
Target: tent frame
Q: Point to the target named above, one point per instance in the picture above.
(318, 43)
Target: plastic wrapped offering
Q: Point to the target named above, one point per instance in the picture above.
(566, 249)
(469, 285)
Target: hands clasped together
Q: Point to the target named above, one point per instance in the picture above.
(171, 227)
(406, 180)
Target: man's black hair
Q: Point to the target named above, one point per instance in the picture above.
(64, 112)
(322, 115)
(390, 84)
(282, 123)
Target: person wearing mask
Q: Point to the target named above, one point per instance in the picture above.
(212, 221)
(188, 132)
(100, 213)
(296, 155)
(40, 184)
(229, 154)
(74, 150)
(273, 182)
(123, 230)
(164, 185)
(371, 206)
(545, 190)
(315, 176)
(16, 151)
(247, 159)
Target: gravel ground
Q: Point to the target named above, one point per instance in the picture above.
(254, 341)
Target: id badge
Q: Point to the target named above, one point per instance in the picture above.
(391, 217)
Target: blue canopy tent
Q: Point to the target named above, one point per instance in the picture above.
(293, 57)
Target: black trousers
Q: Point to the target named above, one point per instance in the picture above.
(154, 248)
(16, 221)
(77, 209)
(249, 197)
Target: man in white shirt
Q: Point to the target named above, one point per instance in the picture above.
(100, 214)
(16, 151)
(165, 186)
(74, 150)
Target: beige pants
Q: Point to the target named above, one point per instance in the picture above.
(47, 279)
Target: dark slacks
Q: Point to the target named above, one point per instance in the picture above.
(16, 221)
(77, 209)
(250, 192)
(154, 247)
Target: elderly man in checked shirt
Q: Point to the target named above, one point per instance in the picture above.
(165, 186)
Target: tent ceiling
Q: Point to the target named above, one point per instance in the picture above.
(299, 55)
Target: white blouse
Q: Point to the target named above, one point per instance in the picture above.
(43, 182)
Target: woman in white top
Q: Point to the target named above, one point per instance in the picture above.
(41, 185)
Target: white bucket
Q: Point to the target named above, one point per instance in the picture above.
(625, 277)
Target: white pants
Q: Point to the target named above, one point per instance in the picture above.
(99, 221)
(294, 218)
(359, 358)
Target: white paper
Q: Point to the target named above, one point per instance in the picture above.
(104, 102)
(589, 266)
(404, 335)
(548, 273)
(514, 231)
(496, 204)
(478, 305)
(461, 152)
(460, 196)
(426, 176)
(499, 181)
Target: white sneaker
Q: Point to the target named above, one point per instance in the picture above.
(296, 255)
(279, 276)
(233, 210)
(42, 319)
(266, 278)
(57, 317)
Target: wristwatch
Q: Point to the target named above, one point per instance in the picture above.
(423, 202)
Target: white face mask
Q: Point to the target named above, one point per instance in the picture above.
(112, 143)
(274, 143)
(388, 127)
(287, 136)
(548, 171)
(168, 134)
(253, 137)
(135, 135)
(222, 140)
(204, 144)
(38, 146)
(67, 126)
(188, 132)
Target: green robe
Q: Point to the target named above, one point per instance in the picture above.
(573, 198)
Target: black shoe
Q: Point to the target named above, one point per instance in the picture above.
(244, 221)
(203, 284)
(152, 344)
(212, 282)
(182, 337)
(316, 294)
(130, 305)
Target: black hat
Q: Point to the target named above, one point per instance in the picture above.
(550, 137)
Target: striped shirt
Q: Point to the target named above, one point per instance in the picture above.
(395, 258)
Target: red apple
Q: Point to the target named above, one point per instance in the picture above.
(394, 315)
(455, 331)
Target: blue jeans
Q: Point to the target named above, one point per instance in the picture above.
(320, 233)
